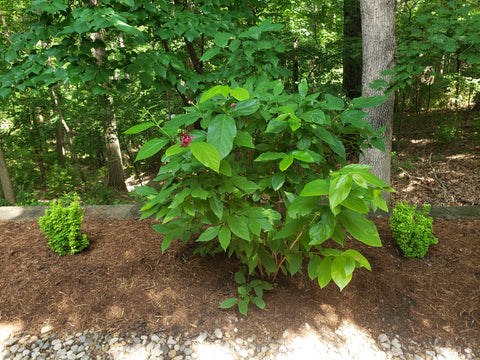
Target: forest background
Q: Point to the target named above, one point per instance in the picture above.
(75, 75)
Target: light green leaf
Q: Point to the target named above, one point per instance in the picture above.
(302, 155)
(145, 190)
(228, 303)
(286, 162)
(356, 204)
(303, 88)
(316, 116)
(209, 234)
(360, 227)
(259, 302)
(338, 272)
(268, 156)
(324, 271)
(221, 133)
(206, 154)
(340, 187)
(243, 306)
(359, 258)
(294, 262)
(222, 39)
(214, 91)
(175, 149)
(333, 103)
(225, 168)
(302, 206)
(244, 139)
(245, 184)
(323, 227)
(139, 128)
(240, 94)
(224, 237)
(316, 188)
(238, 225)
(150, 148)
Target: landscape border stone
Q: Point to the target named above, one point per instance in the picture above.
(20, 213)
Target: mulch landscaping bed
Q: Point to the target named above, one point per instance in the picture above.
(123, 283)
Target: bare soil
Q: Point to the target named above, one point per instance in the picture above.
(124, 283)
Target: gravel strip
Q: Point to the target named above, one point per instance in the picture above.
(343, 344)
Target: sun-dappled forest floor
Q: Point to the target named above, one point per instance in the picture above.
(438, 166)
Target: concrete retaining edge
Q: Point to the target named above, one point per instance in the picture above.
(20, 213)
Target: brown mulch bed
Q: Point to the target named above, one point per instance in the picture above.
(123, 283)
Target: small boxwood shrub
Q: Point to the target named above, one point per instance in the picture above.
(412, 230)
(62, 227)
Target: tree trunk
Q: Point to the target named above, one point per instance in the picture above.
(352, 56)
(379, 48)
(113, 151)
(5, 180)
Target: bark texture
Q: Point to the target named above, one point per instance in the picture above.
(379, 48)
(5, 180)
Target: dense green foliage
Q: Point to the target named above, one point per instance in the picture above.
(160, 55)
(412, 230)
(258, 179)
(61, 224)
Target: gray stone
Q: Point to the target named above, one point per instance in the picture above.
(218, 333)
(383, 338)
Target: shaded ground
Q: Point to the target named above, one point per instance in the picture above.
(438, 167)
(122, 282)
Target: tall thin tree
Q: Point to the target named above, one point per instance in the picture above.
(379, 49)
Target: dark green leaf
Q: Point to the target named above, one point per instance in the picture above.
(323, 227)
(221, 132)
(224, 237)
(316, 188)
(238, 225)
(150, 148)
(209, 234)
(360, 227)
(277, 181)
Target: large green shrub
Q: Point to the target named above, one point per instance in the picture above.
(62, 227)
(412, 230)
(260, 177)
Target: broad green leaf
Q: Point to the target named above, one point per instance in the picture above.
(245, 108)
(365, 103)
(355, 117)
(259, 302)
(267, 261)
(221, 132)
(240, 94)
(291, 228)
(228, 303)
(139, 128)
(244, 184)
(333, 103)
(222, 39)
(240, 277)
(214, 91)
(356, 204)
(145, 190)
(276, 126)
(182, 120)
(303, 88)
(294, 122)
(302, 156)
(360, 227)
(238, 225)
(359, 258)
(206, 154)
(278, 180)
(216, 205)
(209, 234)
(316, 116)
(244, 139)
(225, 168)
(340, 187)
(324, 271)
(243, 306)
(224, 237)
(302, 205)
(338, 272)
(199, 192)
(175, 149)
(167, 240)
(323, 227)
(316, 188)
(150, 148)
(294, 262)
(313, 266)
(268, 156)
(285, 163)
(210, 53)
